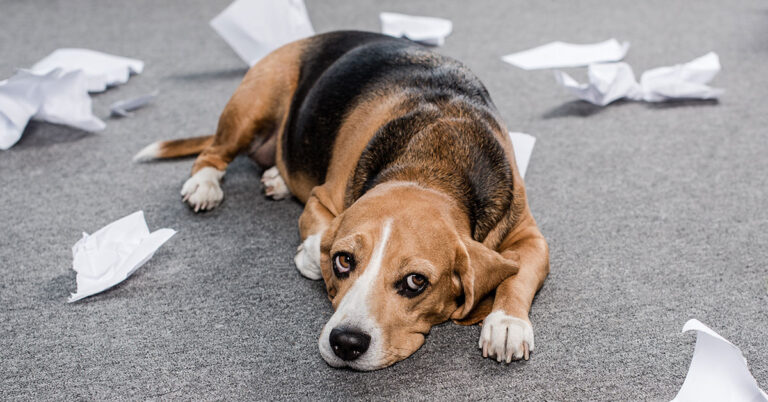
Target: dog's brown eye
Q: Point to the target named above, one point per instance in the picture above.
(412, 285)
(343, 263)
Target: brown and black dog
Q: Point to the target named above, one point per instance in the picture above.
(415, 213)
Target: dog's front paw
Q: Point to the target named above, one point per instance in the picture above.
(274, 185)
(506, 338)
(308, 258)
(202, 190)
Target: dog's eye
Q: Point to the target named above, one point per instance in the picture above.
(412, 285)
(343, 263)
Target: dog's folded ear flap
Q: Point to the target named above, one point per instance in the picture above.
(478, 271)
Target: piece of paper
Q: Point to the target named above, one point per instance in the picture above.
(561, 55)
(523, 145)
(253, 28)
(429, 31)
(113, 253)
(56, 97)
(101, 69)
(123, 108)
(609, 82)
(718, 371)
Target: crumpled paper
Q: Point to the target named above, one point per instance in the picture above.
(718, 371)
(57, 97)
(101, 69)
(608, 82)
(523, 146)
(561, 55)
(253, 28)
(113, 253)
(123, 108)
(429, 31)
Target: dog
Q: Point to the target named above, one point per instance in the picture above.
(415, 212)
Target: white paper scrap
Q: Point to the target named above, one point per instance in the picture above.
(607, 82)
(101, 69)
(718, 371)
(612, 81)
(561, 55)
(123, 108)
(56, 97)
(429, 31)
(254, 28)
(523, 145)
(113, 253)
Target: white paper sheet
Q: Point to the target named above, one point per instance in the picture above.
(430, 31)
(56, 97)
(123, 108)
(561, 55)
(718, 371)
(101, 69)
(612, 81)
(113, 253)
(254, 28)
(523, 145)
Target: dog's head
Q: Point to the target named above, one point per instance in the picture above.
(395, 263)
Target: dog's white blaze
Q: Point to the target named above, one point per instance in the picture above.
(354, 312)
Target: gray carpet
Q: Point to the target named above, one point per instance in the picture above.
(654, 213)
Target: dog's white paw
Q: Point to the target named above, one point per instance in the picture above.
(202, 191)
(308, 257)
(506, 338)
(274, 185)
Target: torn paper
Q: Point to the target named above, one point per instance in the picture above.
(113, 253)
(123, 108)
(101, 69)
(56, 97)
(561, 55)
(612, 81)
(523, 146)
(718, 371)
(429, 31)
(254, 28)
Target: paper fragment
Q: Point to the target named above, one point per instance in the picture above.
(561, 55)
(56, 97)
(101, 69)
(523, 145)
(429, 31)
(718, 371)
(123, 108)
(612, 81)
(113, 253)
(253, 28)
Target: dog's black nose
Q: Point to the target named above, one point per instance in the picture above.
(349, 344)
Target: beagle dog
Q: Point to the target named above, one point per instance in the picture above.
(415, 213)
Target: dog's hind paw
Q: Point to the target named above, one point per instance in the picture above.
(202, 191)
(274, 185)
(506, 338)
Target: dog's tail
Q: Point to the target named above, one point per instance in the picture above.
(173, 148)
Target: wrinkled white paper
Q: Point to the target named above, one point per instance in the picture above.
(113, 253)
(56, 97)
(561, 55)
(101, 69)
(718, 371)
(123, 108)
(523, 145)
(612, 81)
(429, 31)
(254, 28)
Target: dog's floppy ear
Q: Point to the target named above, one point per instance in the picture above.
(478, 271)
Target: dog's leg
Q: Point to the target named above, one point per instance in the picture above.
(507, 333)
(312, 225)
(249, 123)
(274, 185)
